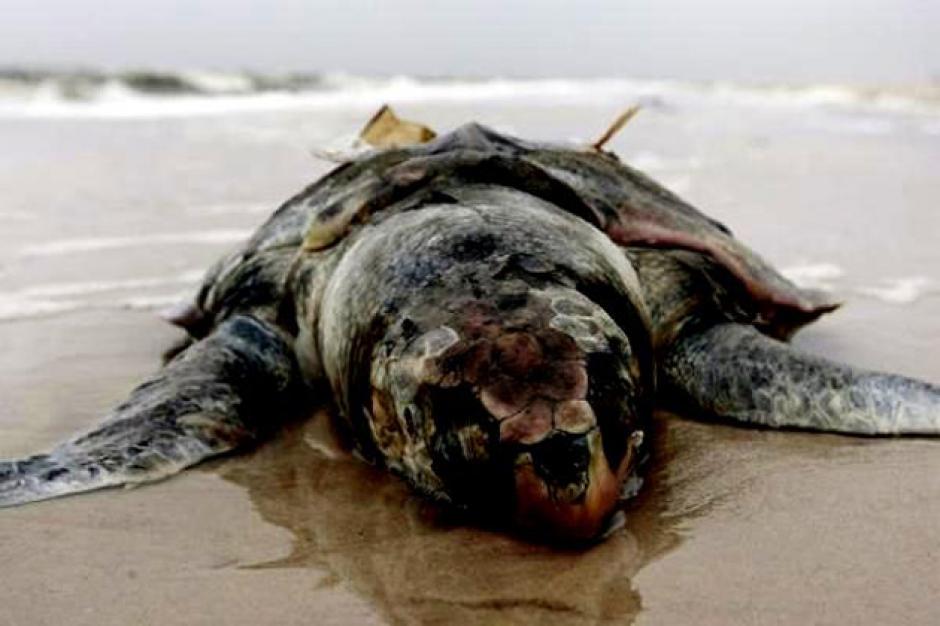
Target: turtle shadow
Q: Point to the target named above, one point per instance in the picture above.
(420, 564)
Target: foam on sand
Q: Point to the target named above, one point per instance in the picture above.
(59, 247)
(903, 290)
(814, 275)
(56, 298)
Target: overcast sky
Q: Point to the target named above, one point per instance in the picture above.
(785, 40)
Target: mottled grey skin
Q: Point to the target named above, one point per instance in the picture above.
(776, 386)
(495, 321)
(712, 362)
(211, 399)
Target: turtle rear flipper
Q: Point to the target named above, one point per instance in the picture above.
(222, 393)
(732, 371)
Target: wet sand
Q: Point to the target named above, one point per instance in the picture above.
(733, 526)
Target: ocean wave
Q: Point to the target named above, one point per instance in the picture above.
(87, 84)
(183, 93)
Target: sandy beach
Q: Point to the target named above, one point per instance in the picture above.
(107, 217)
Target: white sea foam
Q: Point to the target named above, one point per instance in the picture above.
(156, 301)
(901, 290)
(83, 288)
(200, 93)
(56, 298)
(12, 308)
(60, 247)
(904, 290)
(651, 161)
(814, 275)
(218, 82)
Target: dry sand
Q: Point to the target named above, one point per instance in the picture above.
(734, 526)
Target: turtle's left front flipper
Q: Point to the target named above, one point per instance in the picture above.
(220, 394)
(732, 371)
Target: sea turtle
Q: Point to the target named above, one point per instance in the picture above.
(494, 320)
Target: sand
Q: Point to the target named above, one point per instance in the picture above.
(734, 526)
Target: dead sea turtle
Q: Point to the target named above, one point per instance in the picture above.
(494, 320)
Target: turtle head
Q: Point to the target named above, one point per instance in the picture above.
(526, 404)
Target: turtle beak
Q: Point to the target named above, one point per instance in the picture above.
(565, 487)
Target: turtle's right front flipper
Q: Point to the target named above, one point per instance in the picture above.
(734, 372)
(220, 394)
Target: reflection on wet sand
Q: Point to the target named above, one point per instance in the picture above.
(419, 565)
